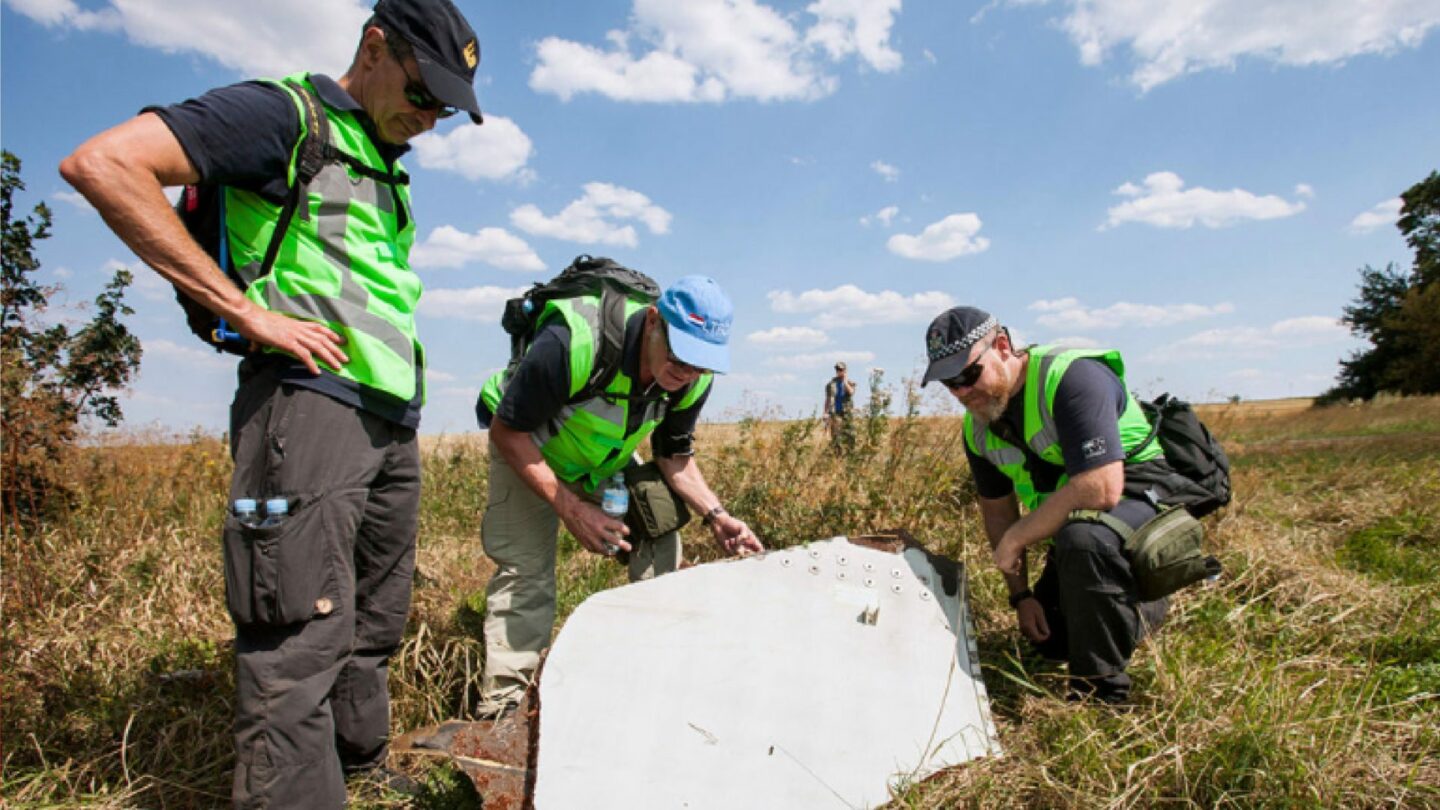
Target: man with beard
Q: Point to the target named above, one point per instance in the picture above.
(1054, 429)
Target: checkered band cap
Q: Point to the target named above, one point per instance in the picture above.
(949, 338)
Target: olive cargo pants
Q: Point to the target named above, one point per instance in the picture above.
(320, 600)
(519, 533)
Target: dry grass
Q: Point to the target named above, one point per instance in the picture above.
(1308, 677)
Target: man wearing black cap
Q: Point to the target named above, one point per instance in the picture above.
(1054, 429)
(303, 211)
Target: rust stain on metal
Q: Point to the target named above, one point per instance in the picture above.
(497, 755)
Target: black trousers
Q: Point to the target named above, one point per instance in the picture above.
(1088, 592)
(320, 600)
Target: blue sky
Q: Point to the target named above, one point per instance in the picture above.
(1194, 182)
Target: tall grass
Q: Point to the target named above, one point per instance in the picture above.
(1308, 676)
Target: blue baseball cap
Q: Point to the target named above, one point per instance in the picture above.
(698, 316)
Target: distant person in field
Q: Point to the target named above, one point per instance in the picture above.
(840, 409)
(550, 457)
(1049, 429)
(330, 387)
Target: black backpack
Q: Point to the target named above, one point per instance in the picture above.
(202, 210)
(587, 275)
(1191, 451)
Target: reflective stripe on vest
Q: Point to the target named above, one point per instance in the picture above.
(1043, 373)
(586, 441)
(344, 260)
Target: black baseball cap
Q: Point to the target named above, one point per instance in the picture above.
(949, 338)
(445, 48)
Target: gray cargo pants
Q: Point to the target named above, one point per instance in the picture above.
(320, 600)
(1088, 592)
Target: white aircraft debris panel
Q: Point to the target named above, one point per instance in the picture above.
(816, 676)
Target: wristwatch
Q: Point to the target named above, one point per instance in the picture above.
(1017, 598)
(709, 517)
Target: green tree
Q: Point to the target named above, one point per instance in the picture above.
(51, 377)
(1398, 311)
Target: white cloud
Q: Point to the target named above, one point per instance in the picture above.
(256, 38)
(1170, 38)
(74, 198)
(820, 359)
(950, 238)
(436, 376)
(1383, 214)
(1069, 313)
(450, 247)
(751, 380)
(594, 218)
(861, 27)
(716, 50)
(192, 357)
(885, 170)
(848, 305)
(472, 304)
(802, 337)
(1165, 203)
(930, 56)
(147, 283)
(1075, 342)
(884, 216)
(1300, 332)
(1304, 190)
(66, 13)
(498, 150)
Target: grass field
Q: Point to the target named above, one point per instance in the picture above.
(1308, 676)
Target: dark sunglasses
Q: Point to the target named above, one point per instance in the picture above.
(419, 96)
(969, 375)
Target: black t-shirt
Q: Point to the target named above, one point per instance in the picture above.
(1088, 404)
(540, 387)
(242, 136)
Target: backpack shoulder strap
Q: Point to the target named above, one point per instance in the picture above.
(1105, 519)
(611, 344)
(313, 151)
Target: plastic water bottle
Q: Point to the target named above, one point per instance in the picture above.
(615, 502)
(276, 510)
(245, 511)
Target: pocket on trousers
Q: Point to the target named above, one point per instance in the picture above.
(286, 573)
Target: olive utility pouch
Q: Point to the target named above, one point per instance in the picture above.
(1165, 554)
(655, 510)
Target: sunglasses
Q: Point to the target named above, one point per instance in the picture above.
(681, 365)
(419, 96)
(969, 375)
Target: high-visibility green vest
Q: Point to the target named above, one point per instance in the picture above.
(345, 259)
(587, 441)
(1042, 378)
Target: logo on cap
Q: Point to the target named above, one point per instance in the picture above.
(472, 55)
(698, 320)
(936, 345)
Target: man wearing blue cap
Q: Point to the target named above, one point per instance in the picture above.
(298, 244)
(549, 456)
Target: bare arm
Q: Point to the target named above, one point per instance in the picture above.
(592, 527)
(122, 172)
(684, 476)
(1000, 515)
(1099, 488)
